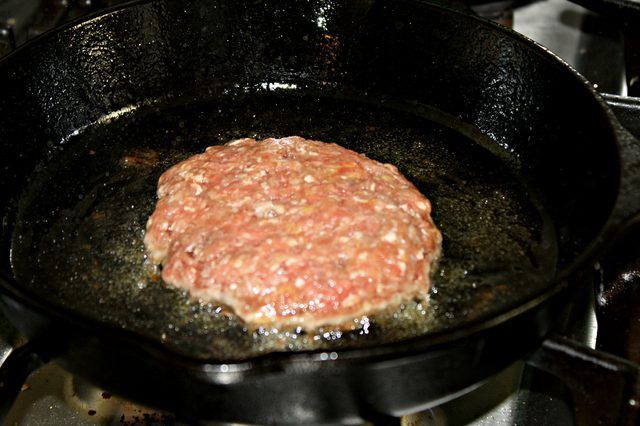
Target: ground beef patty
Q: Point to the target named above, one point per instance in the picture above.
(292, 232)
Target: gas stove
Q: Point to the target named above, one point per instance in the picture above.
(522, 394)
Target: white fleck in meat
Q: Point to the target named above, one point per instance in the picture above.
(268, 209)
(390, 237)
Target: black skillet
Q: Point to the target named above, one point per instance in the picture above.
(528, 171)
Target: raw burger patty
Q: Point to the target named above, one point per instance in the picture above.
(292, 232)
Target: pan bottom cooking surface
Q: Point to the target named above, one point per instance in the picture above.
(80, 222)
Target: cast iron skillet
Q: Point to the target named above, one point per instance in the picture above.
(528, 171)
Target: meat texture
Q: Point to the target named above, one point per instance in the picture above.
(292, 232)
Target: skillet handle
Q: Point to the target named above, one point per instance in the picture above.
(17, 362)
(605, 388)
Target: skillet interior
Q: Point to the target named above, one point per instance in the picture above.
(522, 148)
(79, 243)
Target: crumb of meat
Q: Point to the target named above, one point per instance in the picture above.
(292, 232)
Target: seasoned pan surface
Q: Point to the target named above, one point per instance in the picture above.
(81, 218)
